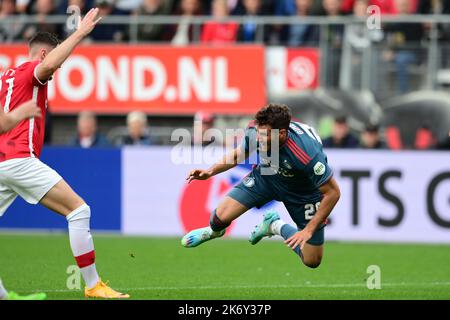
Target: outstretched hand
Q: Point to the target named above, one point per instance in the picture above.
(88, 23)
(198, 174)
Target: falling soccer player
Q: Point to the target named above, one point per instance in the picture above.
(300, 178)
(21, 171)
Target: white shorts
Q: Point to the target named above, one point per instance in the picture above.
(27, 177)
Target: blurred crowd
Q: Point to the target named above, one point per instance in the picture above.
(395, 36)
(400, 40)
(372, 137)
(215, 31)
(138, 132)
(88, 135)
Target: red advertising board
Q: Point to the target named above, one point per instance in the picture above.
(302, 69)
(292, 69)
(115, 79)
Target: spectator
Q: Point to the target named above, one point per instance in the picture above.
(401, 36)
(370, 138)
(438, 7)
(80, 4)
(129, 6)
(332, 8)
(341, 137)
(389, 6)
(148, 31)
(235, 7)
(334, 34)
(23, 6)
(347, 6)
(88, 135)
(204, 121)
(216, 31)
(433, 7)
(42, 9)
(11, 30)
(289, 7)
(83, 5)
(137, 129)
(357, 49)
(103, 31)
(249, 31)
(357, 34)
(184, 33)
(303, 34)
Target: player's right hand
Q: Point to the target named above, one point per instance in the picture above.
(198, 174)
(28, 110)
(89, 22)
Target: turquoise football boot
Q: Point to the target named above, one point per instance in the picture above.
(198, 236)
(262, 230)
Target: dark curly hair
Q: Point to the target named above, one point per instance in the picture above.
(277, 116)
(44, 38)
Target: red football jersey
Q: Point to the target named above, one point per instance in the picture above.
(19, 85)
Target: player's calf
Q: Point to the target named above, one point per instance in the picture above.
(82, 244)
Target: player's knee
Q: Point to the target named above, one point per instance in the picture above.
(83, 212)
(312, 263)
(222, 212)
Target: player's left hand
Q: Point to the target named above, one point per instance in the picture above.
(298, 239)
(88, 23)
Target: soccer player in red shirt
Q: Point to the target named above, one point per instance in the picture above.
(8, 121)
(21, 171)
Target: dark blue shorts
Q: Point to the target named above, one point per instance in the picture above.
(253, 193)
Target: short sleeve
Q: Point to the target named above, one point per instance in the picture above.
(31, 71)
(318, 170)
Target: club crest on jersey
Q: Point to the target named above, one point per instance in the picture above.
(319, 169)
(287, 164)
(249, 182)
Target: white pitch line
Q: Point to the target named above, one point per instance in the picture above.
(337, 285)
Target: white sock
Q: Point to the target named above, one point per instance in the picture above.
(3, 292)
(82, 244)
(275, 227)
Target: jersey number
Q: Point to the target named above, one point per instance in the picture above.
(310, 210)
(310, 132)
(10, 82)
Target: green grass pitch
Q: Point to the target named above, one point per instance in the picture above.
(160, 268)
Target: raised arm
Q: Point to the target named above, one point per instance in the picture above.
(57, 56)
(11, 119)
(229, 161)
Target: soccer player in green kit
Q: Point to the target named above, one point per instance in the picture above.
(296, 173)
